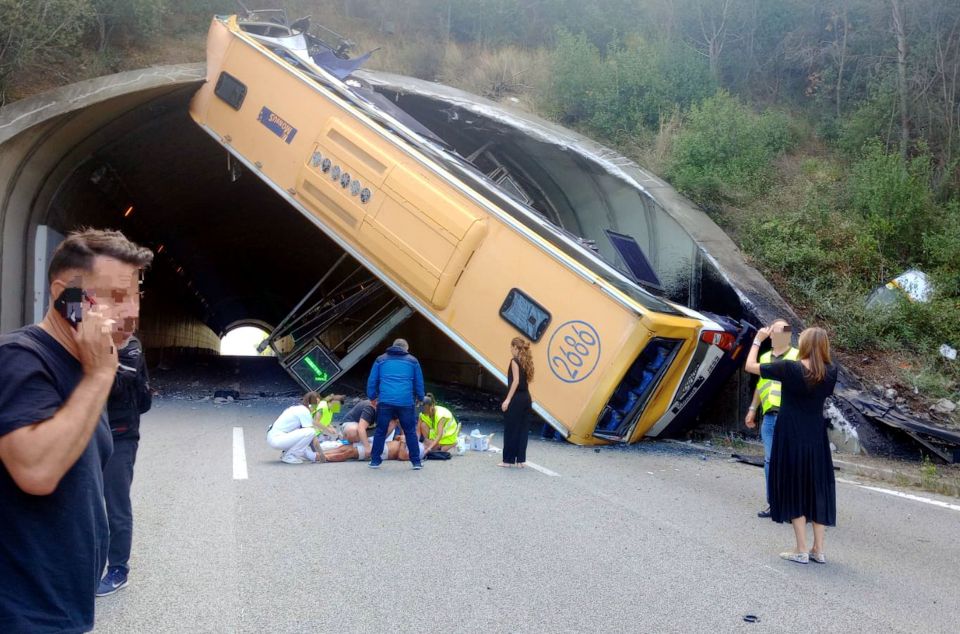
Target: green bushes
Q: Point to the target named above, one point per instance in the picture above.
(895, 199)
(725, 151)
(126, 19)
(30, 33)
(620, 94)
(941, 249)
(818, 238)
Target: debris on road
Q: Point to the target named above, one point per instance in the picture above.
(913, 284)
(944, 406)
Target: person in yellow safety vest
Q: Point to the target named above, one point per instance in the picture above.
(437, 426)
(323, 416)
(767, 397)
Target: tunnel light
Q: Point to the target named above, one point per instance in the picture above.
(160, 249)
(128, 211)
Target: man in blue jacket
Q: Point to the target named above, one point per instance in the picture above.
(396, 381)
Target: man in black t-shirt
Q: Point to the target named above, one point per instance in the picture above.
(54, 439)
(362, 418)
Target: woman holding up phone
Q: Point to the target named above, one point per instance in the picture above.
(802, 487)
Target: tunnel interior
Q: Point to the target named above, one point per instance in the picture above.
(228, 250)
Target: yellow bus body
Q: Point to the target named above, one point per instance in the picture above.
(451, 253)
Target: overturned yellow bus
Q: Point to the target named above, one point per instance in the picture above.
(615, 362)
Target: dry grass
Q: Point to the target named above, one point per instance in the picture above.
(86, 64)
(491, 73)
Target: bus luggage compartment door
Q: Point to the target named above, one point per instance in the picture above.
(424, 234)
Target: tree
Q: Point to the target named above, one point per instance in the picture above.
(31, 30)
(132, 18)
(899, 28)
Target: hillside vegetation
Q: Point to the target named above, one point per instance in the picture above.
(823, 135)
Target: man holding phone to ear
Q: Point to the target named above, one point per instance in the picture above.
(55, 378)
(767, 396)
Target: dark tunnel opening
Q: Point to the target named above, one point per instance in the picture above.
(228, 249)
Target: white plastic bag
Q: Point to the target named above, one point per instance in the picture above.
(479, 441)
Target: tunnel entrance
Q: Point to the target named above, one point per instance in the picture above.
(242, 341)
(229, 251)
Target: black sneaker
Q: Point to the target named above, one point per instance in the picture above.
(765, 513)
(115, 579)
(417, 466)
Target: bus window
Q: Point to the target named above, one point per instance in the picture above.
(631, 396)
(525, 315)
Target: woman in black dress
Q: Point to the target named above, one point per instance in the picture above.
(802, 486)
(516, 407)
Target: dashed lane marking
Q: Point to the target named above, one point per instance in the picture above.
(239, 455)
(532, 465)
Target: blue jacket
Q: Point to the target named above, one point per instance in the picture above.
(396, 378)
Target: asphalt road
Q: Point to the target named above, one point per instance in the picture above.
(653, 538)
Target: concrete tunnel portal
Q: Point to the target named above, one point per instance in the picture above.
(122, 152)
(229, 251)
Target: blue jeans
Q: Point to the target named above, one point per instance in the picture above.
(117, 478)
(407, 416)
(766, 434)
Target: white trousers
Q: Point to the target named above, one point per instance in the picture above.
(295, 443)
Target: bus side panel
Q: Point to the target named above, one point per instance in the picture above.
(325, 195)
(399, 259)
(368, 160)
(506, 260)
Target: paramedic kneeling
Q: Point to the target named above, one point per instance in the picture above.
(437, 426)
(294, 433)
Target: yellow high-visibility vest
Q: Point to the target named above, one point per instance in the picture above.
(770, 391)
(451, 428)
(326, 413)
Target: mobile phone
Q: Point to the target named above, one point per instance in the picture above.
(70, 305)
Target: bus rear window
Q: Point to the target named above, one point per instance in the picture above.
(631, 396)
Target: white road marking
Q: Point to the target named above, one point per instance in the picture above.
(532, 465)
(239, 455)
(543, 470)
(901, 494)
